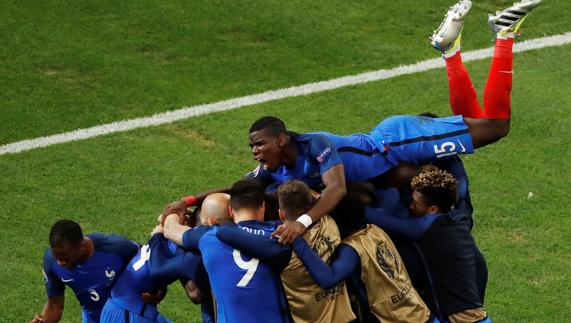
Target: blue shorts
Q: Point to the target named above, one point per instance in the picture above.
(421, 140)
(112, 313)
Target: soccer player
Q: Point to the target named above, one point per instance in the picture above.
(89, 265)
(369, 254)
(443, 233)
(329, 160)
(307, 301)
(246, 289)
(157, 264)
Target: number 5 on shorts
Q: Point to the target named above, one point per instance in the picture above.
(249, 266)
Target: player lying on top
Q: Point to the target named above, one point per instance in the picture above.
(326, 161)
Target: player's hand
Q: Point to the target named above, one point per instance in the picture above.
(178, 207)
(154, 298)
(37, 319)
(288, 232)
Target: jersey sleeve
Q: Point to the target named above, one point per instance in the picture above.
(256, 246)
(323, 152)
(344, 261)
(165, 268)
(54, 286)
(190, 238)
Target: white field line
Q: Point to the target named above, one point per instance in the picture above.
(202, 109)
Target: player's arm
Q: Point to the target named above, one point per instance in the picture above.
(335, 190)
(323, 153)
(256, 246)
(409, 228)
(192, 291)
(55, 291)
(53, 310)
(343, 262)
(165, 270)
(182, 235)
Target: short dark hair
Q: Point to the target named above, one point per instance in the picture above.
(273, 125)
(65, 231)
(294, 198)
(247, 193)
(350, 212)
(438, 188)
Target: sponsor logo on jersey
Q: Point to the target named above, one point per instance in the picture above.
(45, 277)
(323, 154)
(67, 280)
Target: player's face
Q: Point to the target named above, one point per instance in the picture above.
(418, 206)
(266, 149)
(68, 255)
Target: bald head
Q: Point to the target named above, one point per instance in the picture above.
(215, 209)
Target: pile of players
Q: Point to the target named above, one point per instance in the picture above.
(367, 227)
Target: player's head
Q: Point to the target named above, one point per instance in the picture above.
(350, 212)
(67, 243)
(294, 199)
(215, 209)
(433, 192)
(268, 136)
(247, 200)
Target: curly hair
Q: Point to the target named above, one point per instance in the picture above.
(438, 188)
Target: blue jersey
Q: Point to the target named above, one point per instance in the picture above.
(157, 264)
(246, 290)
(91, 280)
(398, 139)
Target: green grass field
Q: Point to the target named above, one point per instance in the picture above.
(69, 65)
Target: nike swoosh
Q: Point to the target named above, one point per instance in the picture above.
(67, 280)
(463, 148)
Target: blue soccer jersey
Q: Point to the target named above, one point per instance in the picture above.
(397, 139)
(157, 264)
(246, 289)
(91, 280)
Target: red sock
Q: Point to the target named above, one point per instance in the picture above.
(499, 83)
(463, 97)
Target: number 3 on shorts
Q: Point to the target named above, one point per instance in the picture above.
(249, 266)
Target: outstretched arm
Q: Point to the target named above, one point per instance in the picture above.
(182, 235)
(53, 310)
(344, 261)
(409, 228)
(335, 190)
(262, 247)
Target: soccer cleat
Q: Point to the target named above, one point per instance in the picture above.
(445, 36)
(506, 23)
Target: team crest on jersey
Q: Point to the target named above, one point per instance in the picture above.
(110, 273)
(323, 245)
(321, 157)
(387, 260)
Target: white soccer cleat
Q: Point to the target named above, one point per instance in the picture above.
(450, 28)
(506, 23)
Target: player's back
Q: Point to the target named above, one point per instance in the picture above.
(362, 159)
(246, 289)
(137, 277)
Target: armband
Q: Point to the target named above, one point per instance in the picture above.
(305, 220)
(189, 200)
